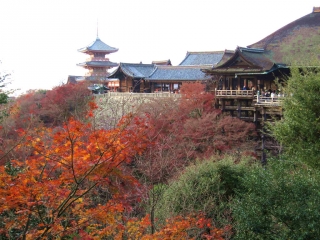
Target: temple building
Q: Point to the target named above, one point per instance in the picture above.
(235, 76)
(203, 59)
(245, 80)
(161, 76)
(97, 64)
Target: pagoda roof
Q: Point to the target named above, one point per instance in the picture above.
(98, 46)
(246, 60)
(178, 73)
(202, 58)
(98, 64)
(135, 70)
(297, 42)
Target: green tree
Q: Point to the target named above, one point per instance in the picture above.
(3, 98)
(206, 187)
(299, 130)
(280, 202)
(4, 80)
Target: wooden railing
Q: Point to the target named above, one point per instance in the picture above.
(268, 101)
(144, 95)
(221, 93)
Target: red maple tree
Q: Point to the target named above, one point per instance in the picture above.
(52, 192)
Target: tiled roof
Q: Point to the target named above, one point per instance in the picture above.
(72, 79)
(257, 57)
(174, 73)
(245, 60)
(135, 70)
(226, 56)
(163, 62)
(297, 42)
(98, 46)
(98, 64)
(202, 58)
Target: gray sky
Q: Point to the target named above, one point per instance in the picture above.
(39, 38)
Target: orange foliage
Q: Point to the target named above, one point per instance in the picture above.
(190, 227)
(48, 195)
(188, 130)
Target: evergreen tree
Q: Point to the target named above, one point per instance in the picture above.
(299, 130)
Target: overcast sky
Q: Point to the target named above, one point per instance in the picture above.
(39, 38)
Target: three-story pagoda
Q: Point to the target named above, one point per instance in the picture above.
(97, 64)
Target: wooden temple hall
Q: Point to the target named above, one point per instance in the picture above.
(245, 85)
(161, 76)
(243, 80)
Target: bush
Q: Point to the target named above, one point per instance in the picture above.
(280, 202)
(206, 187)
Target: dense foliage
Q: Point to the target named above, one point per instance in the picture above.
(206, 187)
(166, 169)
(280, 202)
(299, 130)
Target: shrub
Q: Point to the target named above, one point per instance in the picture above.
(280, 202)
(206, 187)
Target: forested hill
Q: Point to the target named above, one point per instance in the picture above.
(77, 166)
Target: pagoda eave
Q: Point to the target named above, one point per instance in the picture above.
(92, 78)
(87, 50)
(98, 64)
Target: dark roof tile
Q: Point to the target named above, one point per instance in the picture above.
(175, 73)
(135, 70)
(245, 60)
(98, 46)
(202, 58)
(98, 64)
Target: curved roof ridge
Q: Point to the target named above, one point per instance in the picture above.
(203, 52)
(247, 49)
(185, 57)
(179, 66)
(139, 70)
(154, 70)
(122, 66)
(137, 64)
(98, 46)
(113, 72)
(229, 51)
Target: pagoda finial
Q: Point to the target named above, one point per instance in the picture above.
(97, 28)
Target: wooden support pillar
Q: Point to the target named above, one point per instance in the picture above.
(247, 104)
(216, 103)
(255, 118)
(223, 105)
(264, 114)
(239, 109)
